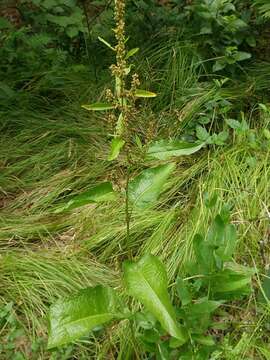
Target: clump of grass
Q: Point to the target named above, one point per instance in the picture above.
(33, 280)
(53, 153)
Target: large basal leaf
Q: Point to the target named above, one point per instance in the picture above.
(99, 193)
(98, 106)
(165, 149)
(146, 280)
(74, 317)
(145, 188)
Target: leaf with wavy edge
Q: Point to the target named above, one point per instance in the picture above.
(73, 317)
(146, 280)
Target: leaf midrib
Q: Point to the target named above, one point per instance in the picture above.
(88, 317)
(156, 297)
(152, 184)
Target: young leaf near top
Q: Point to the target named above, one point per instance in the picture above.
(131, 52)
(145, 94)
(146, 280)
(116, 146)
(98, 106)
(106, 43)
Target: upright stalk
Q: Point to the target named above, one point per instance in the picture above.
(127, 196)
(120, 72)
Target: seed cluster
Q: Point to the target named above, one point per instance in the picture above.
(119, 16)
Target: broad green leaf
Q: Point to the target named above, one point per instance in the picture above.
(98, 106)
(145, 94)
(99, 193)
(218, 139)
(116, 147)
(201, 133)
(183, 291)
(242, 55)
(145, 188)
(146, 280)
(132, 52)
(150, 336)
(204, 340)
(165, 149)
(106, 43)
(75, 316)
(236, 282)
(227, 248)
(203, 306)
(223, 237)
(204, 253)
(219, 65)
(233, 282)
(197, 315)
(216, 232)
(234, 124)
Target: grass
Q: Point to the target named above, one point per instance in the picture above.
(49, 154)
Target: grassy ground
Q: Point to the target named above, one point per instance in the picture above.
(51, 149)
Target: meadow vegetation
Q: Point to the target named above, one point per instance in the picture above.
(180, 186)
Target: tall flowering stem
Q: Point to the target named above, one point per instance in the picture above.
(120, 72)
(122, 100)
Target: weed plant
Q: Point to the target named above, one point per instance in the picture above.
(51, 154)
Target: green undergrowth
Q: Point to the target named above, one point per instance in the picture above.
(50, 154)
(46, 256)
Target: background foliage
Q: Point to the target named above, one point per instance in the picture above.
(61, 216)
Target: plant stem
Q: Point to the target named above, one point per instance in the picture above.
(127, 202)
